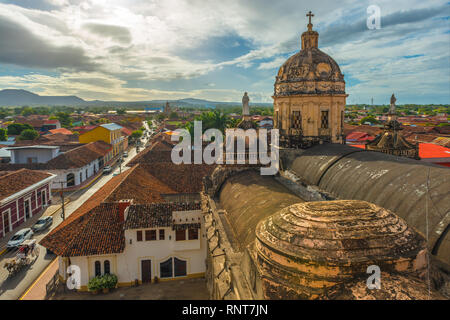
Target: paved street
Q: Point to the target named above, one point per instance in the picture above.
(11, 288)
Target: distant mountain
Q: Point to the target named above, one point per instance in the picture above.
(14, 97)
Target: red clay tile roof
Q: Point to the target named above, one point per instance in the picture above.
(51, 121)
(159, 151)
(156, 214)
(61, 130)
(98, 231)
(81, 156)
(60, 238)
(13, 182)
(126, 131)
(140, 186)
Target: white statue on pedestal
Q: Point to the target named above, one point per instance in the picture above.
(245, 107)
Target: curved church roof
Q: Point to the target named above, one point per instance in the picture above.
(412, 189)
(248, 198)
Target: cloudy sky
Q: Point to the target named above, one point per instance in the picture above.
(216, 50)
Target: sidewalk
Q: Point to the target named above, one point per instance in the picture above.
(49, 211)
(37, 291)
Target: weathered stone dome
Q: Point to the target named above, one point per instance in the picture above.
(307, 248)
(309, 71)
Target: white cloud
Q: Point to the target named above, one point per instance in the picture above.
(153, 33)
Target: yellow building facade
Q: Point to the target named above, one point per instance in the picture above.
(109, 133)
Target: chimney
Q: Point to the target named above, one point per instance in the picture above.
(123, 206)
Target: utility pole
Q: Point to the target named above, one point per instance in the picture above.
(62, 201)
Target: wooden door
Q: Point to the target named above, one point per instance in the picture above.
(146, 270)
(27, 208)
(6, 225)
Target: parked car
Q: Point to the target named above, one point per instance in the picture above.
(125, 154)
(19, 237)
(107, 169)
(42, 224)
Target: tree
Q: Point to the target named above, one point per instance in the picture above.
(370, 119)
(64, 118)
(26, 111)
(17, 128)
(161, 117)
(121, 111)
(28, 134)
(136, 134)
(3, 135)
(173, 115)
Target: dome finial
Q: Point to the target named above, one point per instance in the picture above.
(310, 15)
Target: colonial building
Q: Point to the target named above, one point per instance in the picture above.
(391, 141)
(23, 194)
(309, 96)
(109, 133)
(144, 223)
(73, 168)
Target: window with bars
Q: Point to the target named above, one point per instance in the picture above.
(139, 235)
(193, 234)
(161, 234)
(150, 235)
(106, 266)
(296, 120)
(165, 269)
(98, 269)
(324, 119)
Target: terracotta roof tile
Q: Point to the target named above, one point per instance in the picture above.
(98, 231)
(81, 156)
(156, 214)
(13, 182)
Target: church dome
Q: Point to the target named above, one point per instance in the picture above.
(313, 246)
(309, 71)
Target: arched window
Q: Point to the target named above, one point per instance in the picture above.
(166, 269)
(180, 267)
(98, 271)
(106, 267)
(70, 179)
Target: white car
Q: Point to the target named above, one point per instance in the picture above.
(19, 237)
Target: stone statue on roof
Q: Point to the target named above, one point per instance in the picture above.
(392, 107)
(245, 107)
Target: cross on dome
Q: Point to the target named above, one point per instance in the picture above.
(310, 15)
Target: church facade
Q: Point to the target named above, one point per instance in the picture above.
(309, 96)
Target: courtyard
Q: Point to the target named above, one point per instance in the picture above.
(190, 289)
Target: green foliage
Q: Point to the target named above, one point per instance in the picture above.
(64, 118)
(370, 119)
(109, 281)
(3, 134)
(27, 111)
(29, 134)
(443, 124)
(17, 128)
(173, 115)
(121, 111)
(102, 282)
(161, 117)
(94, 284)
(136, 134)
